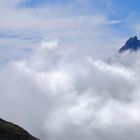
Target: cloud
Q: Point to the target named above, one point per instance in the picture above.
(56, 94)
(77, 26)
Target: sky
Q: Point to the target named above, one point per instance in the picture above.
(26, 23)
(61, 75)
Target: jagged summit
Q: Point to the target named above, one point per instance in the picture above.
(133, 44)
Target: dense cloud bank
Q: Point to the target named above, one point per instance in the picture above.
(60, 93)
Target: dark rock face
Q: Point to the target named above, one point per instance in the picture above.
(133, 44)
(10, 131)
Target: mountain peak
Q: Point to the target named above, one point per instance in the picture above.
(132, 44)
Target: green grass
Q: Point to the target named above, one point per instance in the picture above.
(10, 129)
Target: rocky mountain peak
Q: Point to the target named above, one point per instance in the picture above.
(132, 44)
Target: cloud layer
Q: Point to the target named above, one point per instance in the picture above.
(57, 94)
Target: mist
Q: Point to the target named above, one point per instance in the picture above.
(60, 92)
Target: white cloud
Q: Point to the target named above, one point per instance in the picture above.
(57, 95)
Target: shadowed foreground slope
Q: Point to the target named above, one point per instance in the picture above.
(10, 131)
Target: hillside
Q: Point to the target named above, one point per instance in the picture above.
(10, 131)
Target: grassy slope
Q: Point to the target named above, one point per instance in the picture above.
(8, 129)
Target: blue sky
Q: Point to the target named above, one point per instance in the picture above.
(26, 23)
(128, 11)
(123, 7)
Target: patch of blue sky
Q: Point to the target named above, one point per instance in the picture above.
(28, 50)
(7, 35)
(10, 53)
(114, 7)
(34, 3)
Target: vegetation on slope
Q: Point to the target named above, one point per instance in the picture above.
(10, 131)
